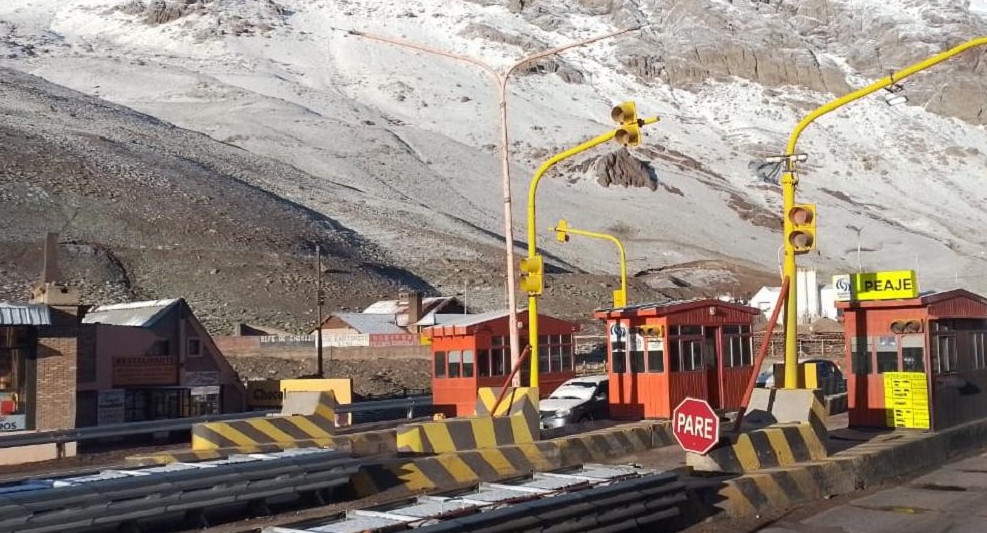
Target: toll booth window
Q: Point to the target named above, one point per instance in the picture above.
(887, 354)
(686, 355)
(860, 355)
(690, 330)
(944, 357)
(14, 346)
(636, 349)
(454, 359)
(977, 344)
(567, 361)
(738, 347)
(618, 357)
(467, 363)
(555, 355)
(440, 364)
(656, 354)
(913, 353)
(498, 354)
(483, 363)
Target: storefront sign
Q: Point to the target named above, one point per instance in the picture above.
(906, 400)
(201, 379)
(204, 391)
(393, 339)
(110, 407)
(264, 393)
(342, 341)
(145, 370)
(13, 423)
(866, 286)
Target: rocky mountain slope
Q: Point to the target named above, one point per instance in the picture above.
(399, 147)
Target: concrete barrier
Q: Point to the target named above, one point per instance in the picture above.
(883, 458)
(320, 425)
(515, 422)
(463, 467)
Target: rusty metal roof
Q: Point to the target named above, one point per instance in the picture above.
(24, 314)
(371, 323)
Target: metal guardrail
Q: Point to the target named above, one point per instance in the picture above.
(183, 424)
(114, 499)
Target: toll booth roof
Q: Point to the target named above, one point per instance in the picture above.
(937, 300)
(669, 307)
(470, 324)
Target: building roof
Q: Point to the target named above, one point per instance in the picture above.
(438, 319)
(397, 307)
(24, 314)
(924, 299)
(468, 324)
(670, 306)
(371, 324)
(138, 314)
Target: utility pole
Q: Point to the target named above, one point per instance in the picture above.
(320, 298)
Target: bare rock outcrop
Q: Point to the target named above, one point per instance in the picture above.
(622, 168)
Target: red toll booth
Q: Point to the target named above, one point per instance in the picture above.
(659, 353)
(474, 351)
(918, 362)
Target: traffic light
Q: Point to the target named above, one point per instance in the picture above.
(800, 228)
(629, 132)
(619, 298)
(532, 269)
(561, 231)
(906, 326)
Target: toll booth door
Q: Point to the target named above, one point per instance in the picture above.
(711, 351)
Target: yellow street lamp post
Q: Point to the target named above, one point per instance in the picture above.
(797, 240)
(533, 266)
(563, 230)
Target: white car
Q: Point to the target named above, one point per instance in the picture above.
(577, 400)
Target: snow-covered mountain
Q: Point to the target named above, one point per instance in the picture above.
(401, 147)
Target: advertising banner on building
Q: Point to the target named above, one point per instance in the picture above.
(867, 286)
(393, 339)
(13, 423)
(110, 407)
(140, 370)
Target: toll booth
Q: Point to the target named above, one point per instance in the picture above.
(917, 362)
(660, 353)
(473, 351)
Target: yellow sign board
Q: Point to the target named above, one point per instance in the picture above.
(892, 285)
(906, 400)
(270, 392)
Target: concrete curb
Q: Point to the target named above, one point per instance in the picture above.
(886, 457)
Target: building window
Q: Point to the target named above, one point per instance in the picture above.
(467, 363)
(14, 346)
(944, 357)
(483, 363)
(498, 355)
(159, 348)
(194, 347)
(860, 349)
(567, 362)
(656, 354)
(555, 355)
(205, 401)
(685, 349)
(977, 343)
(440, 364)
(738, 345)
(618, 356)
(454, 358)
(913, 353)
(887, 354)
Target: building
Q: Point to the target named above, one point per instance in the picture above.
(473, 351)
(814, 300)
(917, 362)
(660, 353)
(152, 360)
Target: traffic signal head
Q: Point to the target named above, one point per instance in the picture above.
(906, 326)
(532, 269)
(561, 231)
(629, 132)
(800, 228)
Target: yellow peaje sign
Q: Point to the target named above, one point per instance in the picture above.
(891, 285)
(906, 399)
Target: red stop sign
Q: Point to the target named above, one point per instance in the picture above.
(695, 426)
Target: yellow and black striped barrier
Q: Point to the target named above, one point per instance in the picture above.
(515, 422)
(319, 426)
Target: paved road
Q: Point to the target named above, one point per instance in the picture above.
(952, 499)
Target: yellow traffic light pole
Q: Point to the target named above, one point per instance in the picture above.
(619, 297)
(534, 264)
(789, 182)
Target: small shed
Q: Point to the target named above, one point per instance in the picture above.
(918, 362)
(660, 353)
(473, 351)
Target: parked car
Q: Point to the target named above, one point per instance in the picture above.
(577, 400)
(826, 370)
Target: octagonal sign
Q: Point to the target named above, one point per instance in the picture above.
(696, 426)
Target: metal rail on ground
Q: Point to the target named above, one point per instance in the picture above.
(591, 497)
(184, 424)
(121, 499)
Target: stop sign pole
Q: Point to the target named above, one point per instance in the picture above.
(696, 426)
